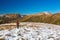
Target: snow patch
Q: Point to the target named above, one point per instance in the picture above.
(44, 32)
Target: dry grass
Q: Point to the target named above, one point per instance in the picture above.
(3, 27)
(7, 27)
(2, 39)
(22, 24)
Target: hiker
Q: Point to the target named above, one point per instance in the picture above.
(17, 24)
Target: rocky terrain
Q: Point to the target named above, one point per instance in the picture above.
(8, 18)
(31, 31)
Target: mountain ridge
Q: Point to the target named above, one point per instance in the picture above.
(43, 17)
(51, 18)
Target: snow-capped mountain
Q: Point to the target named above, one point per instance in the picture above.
(44, 13)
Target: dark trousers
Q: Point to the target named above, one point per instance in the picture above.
(18, 25)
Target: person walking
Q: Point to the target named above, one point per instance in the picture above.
(17, 24)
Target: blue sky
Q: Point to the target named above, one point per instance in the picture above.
(29, 6)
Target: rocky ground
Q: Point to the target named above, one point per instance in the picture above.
(30, 31)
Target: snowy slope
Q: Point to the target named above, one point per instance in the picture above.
(41, 32)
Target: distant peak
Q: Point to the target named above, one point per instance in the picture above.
(45, 12)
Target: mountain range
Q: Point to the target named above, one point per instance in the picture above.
(43, 17)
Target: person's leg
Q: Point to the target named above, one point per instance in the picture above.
(18, 25)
